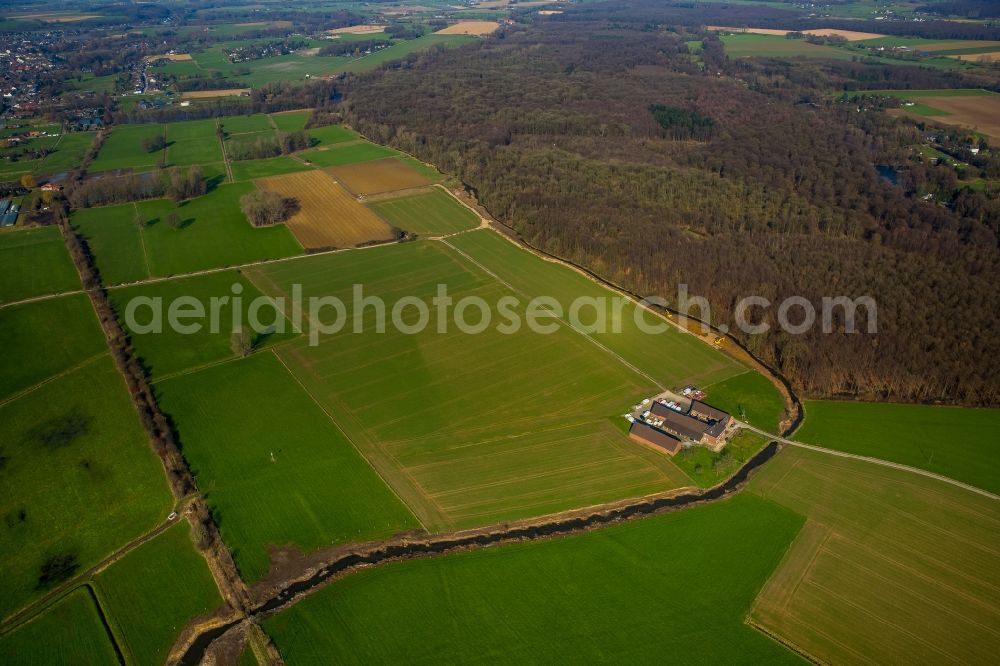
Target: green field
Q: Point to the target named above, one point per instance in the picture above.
(275, 469)
(427, 214)
(291, 121)
(951, 441)
(69, 152)
(776, 46)
(939, 92)
(124, 149)
(33, 354)
(676, 584)
(349, 154)
(193, 142)
(257, 122)
(324, 136)
(750, 397)
(275, 166)
(708, 468)
(34, 262)
(890, 567)
(79, 478)
(153, 591)
(69, 632)
(172, 350)
(214, 234)
(462, 450)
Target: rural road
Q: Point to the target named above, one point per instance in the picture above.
(876, 461)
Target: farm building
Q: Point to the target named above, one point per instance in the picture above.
(655, 439)
(8, 213)
(705, 412)
(678, 424)
(699, 422)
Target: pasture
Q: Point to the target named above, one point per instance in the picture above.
(192, 142)
(33, 354)
(68, 632)
(291, 121)
(433, 213)
(172, 351)
(275, 166)
(750, 397)
(460, 450)
(331, 134)
(670, 357)
(257, 122)
(378, 176)
(124, 149)
(79, 479)
(115, 241)
(153, 591)
(773, 46)
(952, 441)
(890, 567)
(707, 468)
(34, 262)
(328, 215)
(275, 468)
(674, 584)
(361, 151)
(68, 151)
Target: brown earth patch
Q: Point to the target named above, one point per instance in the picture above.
(378, 176)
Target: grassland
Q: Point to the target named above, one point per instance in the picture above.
(434, 213)
(172, 351)
(79, 478)
(68, 151)
(214, 233)
(378, 176)
(192, 142)
(468, 429)
(124, 149)
(774, 46)
(328, 215)
(890, 567)
(750, 397)
(952, 441)
(153, 591)
(275, 468)
(34, 262)
(291, 121)
(257, 122)
(677, 584)
(69, 632)
(33, 354)
(347, 154)
(707, 468)
(329, 135)
(275, 166)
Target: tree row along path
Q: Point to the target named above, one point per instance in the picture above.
(232, 589)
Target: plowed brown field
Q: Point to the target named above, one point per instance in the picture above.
(378, 176)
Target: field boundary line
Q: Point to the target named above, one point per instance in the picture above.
(875, 461)
(62, 373)
(559, 319)
(142, 242)
(349, 439)
(44, 297)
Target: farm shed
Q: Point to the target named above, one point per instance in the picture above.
(655, 439)
(706, 412)
(678, 424)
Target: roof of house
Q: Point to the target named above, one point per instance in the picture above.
(707, 411)
(681, 424)
(657, 438)
(717, 428)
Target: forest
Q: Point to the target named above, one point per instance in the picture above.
(550, 126)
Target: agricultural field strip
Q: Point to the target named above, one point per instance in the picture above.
(558, 319)
(31, 389)
(876, 461)
(45, 297)
(349, 439)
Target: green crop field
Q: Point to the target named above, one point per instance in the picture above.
(258, 122)
(349, 154)
(400, 50)
(324, 136)
(461, 449)
(427, 214)
(890, 567)
(34, 262)
(671, 357)
(69, 152)
(192, 142)
(115, 241)
(153, 591)
(275, 166)
(173, 350)
(951, 441)
(276, 470)
(69, 632)
(124, 149)
(750, 397)
(79, 479)
(32, 353)
(291, 121)
(676, 584)
(776, 46)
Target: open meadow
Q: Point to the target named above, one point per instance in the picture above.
(68, 632)
(153, 591)
(34, 262)
(890, 566)
(460, 449)
(433, 213)
(275, 469)
(124, 149)
(675, 584)
(378, 176)
(750, 397)
(953, 441)
(350, 153)
(79, 479)
(775, 46)
(328, 216)
(274, 166)
(192, 142)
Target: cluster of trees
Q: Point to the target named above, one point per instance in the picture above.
(354, 48)
(264, 208)
(682, 124)
(176, 184)
(258, 50)
(154, 144)
(281, 143)
(551, 129)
